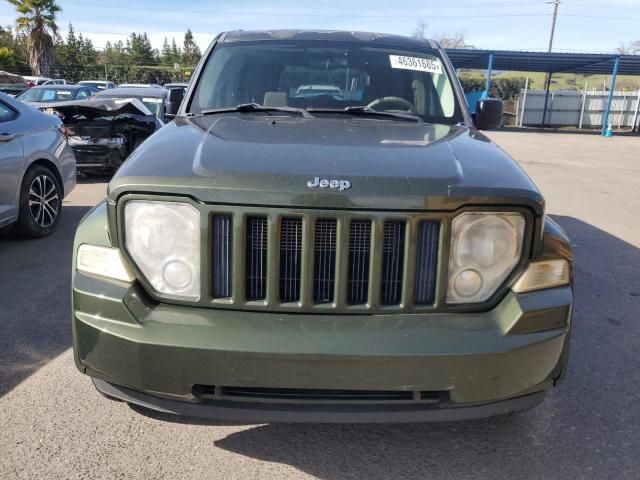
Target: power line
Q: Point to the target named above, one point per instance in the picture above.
(243, 13)
(607, 5)
(601, 17)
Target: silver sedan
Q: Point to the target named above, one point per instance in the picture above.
(37, 168)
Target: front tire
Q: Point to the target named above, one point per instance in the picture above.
(40, 203)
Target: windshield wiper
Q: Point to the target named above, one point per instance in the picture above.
(256, 107)
(364, 110)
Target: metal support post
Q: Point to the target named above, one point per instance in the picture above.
(487, 87)
(583, 106)
(635, 115)
(524, 101)
(607, 112)
(546, 99)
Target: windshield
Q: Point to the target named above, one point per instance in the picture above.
(46, 95)
(331, 75)
(153, 104)
(98, 85)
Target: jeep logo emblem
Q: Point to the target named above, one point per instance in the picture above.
(318, 182)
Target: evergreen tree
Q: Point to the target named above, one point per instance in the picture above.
(165, 53)
(89, 52)
(176, 53)
(140, 50)
(6, 58)
(190, 50)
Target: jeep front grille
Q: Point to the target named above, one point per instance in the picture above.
(323, 261)
(359, 260)
(426, 258)
(290, 259)
(256, 258)
(324, 266)
(222, 256)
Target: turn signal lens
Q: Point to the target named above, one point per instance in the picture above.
(544, 274)
(103, 261)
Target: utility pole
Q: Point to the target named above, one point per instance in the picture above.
(555, 4)
(547, 78)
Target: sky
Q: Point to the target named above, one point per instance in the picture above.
(582, 25)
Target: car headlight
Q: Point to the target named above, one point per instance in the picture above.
(163, 239)
(485, 248)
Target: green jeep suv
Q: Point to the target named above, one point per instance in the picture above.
(323, 235)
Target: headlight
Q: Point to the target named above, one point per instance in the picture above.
(163, 239)
(485, 247)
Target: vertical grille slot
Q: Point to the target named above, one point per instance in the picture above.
(324, 264)
(392, 263)
(290, 259)
(359, 256)
(256, 258)
(426, 262)
(222, 256)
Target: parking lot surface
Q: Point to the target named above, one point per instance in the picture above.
(53, 424)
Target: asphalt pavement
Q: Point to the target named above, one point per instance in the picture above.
(54, 425)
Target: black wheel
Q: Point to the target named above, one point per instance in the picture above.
(40, 203)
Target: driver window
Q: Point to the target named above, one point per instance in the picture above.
(446, 96)
(419, 96)
(6, 113)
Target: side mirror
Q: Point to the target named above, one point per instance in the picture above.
(173, 102)
(488, 114)
(171, 109)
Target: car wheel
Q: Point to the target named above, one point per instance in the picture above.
(40, 203)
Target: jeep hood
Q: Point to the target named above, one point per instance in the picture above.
(267, 160)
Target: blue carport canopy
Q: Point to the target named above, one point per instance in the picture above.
(548, 62)
(588, 63)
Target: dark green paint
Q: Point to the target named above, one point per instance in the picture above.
(241, 164)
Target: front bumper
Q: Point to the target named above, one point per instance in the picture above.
(257, 412)
(153, 354)
(98, 157)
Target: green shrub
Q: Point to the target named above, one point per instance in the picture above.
(502, 88)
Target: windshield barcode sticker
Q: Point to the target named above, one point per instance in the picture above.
(415, 63)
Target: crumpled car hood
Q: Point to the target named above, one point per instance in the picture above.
(96, 108)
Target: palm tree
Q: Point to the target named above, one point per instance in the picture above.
(38, 20)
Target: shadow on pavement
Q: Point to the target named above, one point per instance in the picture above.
(91, 178)
(588, 427)
(35, 298)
